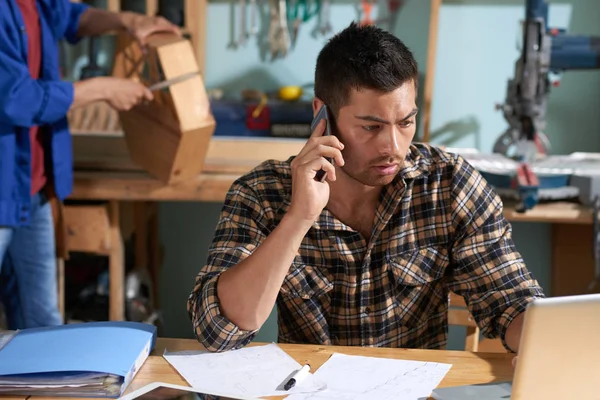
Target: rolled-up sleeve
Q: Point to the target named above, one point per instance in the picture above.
(241, 228)
(487, 271)
(73, 14)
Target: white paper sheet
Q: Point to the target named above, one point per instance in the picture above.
(370, 378)
(252, 371)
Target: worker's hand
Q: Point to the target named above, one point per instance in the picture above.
(141, 26)
(124, 94)
(310, 196)
(514, 361)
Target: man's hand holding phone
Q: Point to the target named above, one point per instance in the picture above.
(310, 195)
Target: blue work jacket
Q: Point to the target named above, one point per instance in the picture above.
(25, 102)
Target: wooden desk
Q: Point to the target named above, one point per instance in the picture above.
(467, 368)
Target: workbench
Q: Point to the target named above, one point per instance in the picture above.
(104, 172)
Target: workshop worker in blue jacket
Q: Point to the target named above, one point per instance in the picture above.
(35, 143)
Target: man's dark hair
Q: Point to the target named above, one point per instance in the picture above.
(362, 57)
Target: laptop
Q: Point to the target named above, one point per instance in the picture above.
(559, 355)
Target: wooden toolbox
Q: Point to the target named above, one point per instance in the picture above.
(168, 136)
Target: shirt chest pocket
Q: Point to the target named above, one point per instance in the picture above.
(418, 267)
(416, 282)
(305, 282)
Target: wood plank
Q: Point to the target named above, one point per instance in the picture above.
(233, 155)
(212, 187)
(460, 317)
(572, 259)
(114, 5)
(430, 69)
(151, 7)
(140, 186)
(105, 158)
(88, 228)
(556, 212)
(195, 24)
(116, 267)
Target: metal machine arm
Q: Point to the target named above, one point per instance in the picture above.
(544, 51)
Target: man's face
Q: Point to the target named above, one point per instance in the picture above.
(377, 130)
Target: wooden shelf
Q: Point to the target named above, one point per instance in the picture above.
(555, 212)
(212, 186)
(104, 170)
(226, 154)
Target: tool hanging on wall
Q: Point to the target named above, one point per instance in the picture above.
(324, 18)
(232, 38)
(285, 21)
(394, 7)
(367, 7)
(253, 30)
(300, 12)
(243, 35)
(279, 38)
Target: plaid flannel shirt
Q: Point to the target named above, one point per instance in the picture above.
(439, 228)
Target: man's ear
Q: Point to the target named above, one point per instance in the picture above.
(316, 105)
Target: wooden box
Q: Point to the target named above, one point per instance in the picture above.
(169, 136)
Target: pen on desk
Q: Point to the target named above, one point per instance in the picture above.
(297, 377)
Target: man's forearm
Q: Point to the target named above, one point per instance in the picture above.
(87, 91)
(513, 332)
(95, 21)
(248, 291)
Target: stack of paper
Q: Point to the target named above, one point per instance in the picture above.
(95, 359)
(371, 378)
(250, 372)
(63, 384)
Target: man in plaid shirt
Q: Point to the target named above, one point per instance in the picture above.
(367, 257)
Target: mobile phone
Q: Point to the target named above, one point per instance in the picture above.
(323, 113)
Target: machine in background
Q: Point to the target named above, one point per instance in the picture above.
(545, 52)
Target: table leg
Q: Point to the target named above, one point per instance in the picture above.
(116, 268)
(147, 246)
(155, 251)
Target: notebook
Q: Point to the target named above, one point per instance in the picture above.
(93, 359)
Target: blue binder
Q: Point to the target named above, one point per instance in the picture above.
(94, 359)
